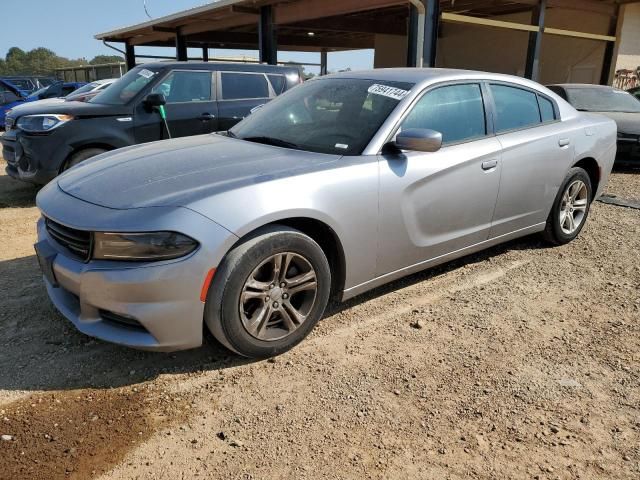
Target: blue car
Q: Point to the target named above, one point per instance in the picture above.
(10, 96)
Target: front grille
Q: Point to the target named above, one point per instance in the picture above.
(78, 242)
(121, 320)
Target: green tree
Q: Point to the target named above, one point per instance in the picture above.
(100, 59)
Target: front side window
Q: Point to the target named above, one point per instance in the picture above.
(330, 115)
(515, 108)
(456, 111)
(237, 86)
(183, 87)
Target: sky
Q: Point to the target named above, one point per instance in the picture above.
(69, 31)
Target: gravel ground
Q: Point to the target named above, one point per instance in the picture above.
(519, 362)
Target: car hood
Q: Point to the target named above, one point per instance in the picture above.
(181, 171)
(77, 109)
(627, 122)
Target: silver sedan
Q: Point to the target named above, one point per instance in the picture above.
(343, 184)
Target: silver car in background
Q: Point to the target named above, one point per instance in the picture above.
(344, 183)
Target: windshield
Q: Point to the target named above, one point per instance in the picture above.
(332, 115)
(123, 90)
(602, 100)
(87, 88)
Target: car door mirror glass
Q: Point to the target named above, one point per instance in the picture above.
(155, 100)
(419, 139)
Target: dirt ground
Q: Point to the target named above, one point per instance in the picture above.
(519, 362)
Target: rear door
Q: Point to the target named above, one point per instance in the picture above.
(536, 151)
(238, 94)
(435, 203)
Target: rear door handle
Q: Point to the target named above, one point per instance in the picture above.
(489, 164)
(207, 116)
(563, 142)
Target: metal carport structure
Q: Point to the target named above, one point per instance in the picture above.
(407, 33)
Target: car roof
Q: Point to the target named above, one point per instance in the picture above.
(423, 76)
(581, 85)
(234, 66)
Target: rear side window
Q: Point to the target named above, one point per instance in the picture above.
(546, 109)
(278, 83)
(456, 111)
(515, 108)
(184, 86)
(236, 86)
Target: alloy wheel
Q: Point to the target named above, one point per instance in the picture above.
(278, 296)
(573, 208)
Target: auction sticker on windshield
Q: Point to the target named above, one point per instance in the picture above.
(387, 91)
(146, 73)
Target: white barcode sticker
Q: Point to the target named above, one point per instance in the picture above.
(146, 73)
(387, 91)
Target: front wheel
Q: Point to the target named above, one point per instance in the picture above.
(570, 208)
(268, 293)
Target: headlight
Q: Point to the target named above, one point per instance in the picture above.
(142, 246)
(42, 123)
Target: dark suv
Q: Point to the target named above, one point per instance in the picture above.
(43, 140)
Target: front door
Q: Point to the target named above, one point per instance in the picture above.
(190, 109)
(436, 203)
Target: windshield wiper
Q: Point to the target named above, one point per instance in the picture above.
(276, 142)
(230, 134)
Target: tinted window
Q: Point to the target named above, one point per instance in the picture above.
(601, 99)
(515, 107)
(244, 85)
(182, 87)
(8, 97)
(277, 82)
(455, 111)
(67, 90)
(546, 109)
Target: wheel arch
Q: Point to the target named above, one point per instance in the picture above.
(591, 166)
(85, 146)
(324, 235)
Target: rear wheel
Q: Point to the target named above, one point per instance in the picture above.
(81, 156)
(570, 209)
(268, 293)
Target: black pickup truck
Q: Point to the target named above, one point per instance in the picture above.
(42, 140)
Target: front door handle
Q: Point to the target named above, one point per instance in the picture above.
(489, 164)
(207, 116)
(563, 142)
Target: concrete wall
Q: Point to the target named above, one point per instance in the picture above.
(390, 51)
(629, 37)
(562, 59)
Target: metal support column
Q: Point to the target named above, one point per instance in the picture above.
(181, 47)
(532, 67)
(323, 61)
(205, 54)
(130, 55)
(608, 62)
(267, 44)
(422, 38)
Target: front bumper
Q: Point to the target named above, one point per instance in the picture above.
(628, 151)
(33, 159)
(161, 300)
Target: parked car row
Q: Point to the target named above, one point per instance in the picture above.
(42, 140)
(342, 184)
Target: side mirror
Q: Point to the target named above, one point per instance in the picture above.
(420, 139)
(155, 100)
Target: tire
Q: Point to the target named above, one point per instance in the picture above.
(244, 291)
(558, 232)
(81, 156)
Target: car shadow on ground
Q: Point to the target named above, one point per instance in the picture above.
(41, 350)
(16, 194)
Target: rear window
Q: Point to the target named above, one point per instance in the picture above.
(236, 86)
(278, 83)
(515, 108)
